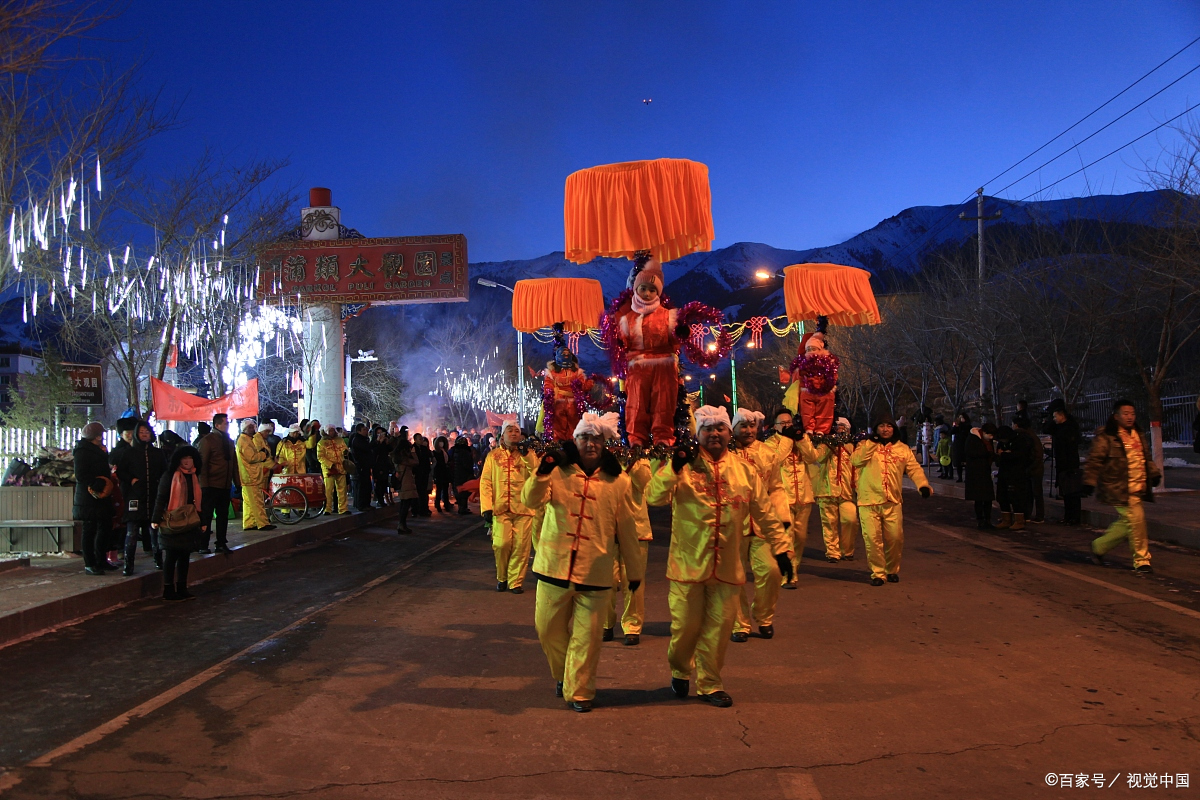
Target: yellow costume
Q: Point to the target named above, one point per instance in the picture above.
(587, 517)
(500, 483)
(881, 468)
(290, 455)
(832, 478)
(254, 472)
(710, 504)
(633, 616)
(766, 458)
(331, 452)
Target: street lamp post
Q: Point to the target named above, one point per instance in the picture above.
(520, 354)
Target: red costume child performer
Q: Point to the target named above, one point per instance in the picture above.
(648, 330)
(814, 381)
(563, 393)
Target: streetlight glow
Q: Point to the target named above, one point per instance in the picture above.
(762, 275)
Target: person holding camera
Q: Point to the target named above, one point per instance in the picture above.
(1122, 473)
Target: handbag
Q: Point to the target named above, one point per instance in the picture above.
(182, 519)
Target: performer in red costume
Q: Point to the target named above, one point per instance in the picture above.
(565, 385)
(814, 383)
(652, 342)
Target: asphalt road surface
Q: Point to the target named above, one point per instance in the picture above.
(375, 666)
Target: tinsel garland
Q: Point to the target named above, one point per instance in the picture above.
(548, 409)
(837, 439)
(696, 313)
(610, 332)
(818, 373)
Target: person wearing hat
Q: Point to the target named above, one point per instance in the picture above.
(139, 470)
(633, 613)
(331, 454)
(93, 503)
(125, 427)
(254, 474)
(797, 487)
(811, 393)
(833, 486)
(501, 480)
(589, 513)
(882, 461)
(267, 432)
(766, 458)
(291, 451)
(711, 493)
(563, 380)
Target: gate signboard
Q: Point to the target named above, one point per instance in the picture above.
(88, 382)
(385, 271)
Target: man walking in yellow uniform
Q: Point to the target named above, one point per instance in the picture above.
(331, 455)
(833, 485)
(766, 459)
(882, 462)
(589, 512)
(1122, 472)
(797, 489)
(633, 616)
(254, 470)
(291, 452)
(500, 483)
(711, 494)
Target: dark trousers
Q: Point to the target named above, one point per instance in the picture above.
(1035, 506)
(1073, 509)
(441, 496)
(962, 466)
(175, 566)
(382, 490)
(1012, 499)
(983, 510)
(95, 542)
(215, 501)
(362, 489)
(139, 531)
(461, 498)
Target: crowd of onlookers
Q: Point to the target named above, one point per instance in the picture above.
(175, 498)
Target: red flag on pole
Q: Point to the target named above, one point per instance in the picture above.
(173, 359)
(177, 405)
(297, 384)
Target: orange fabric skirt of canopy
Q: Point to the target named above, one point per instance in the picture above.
(843, 294)
(541, 302)
(615, 210)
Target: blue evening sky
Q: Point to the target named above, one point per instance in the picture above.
(816, 120)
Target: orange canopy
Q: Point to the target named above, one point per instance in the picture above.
(664, 206)
(843, 294)
(541, 302)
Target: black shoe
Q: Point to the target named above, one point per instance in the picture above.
(766, 631)
(128, 569)
(1144, 569)
(632, 639)
(169, 594)
(983, 524)
(558, 689)
(181, 593)
(877, 581)
(517, 590)
(832, 559)
(93, 570)
(501, 586)
(204, 551)
(113, 565)
(893, 578)
(680, 687)
(158, 559)
(269, 527)
(790, 585)
(1098, 560)
(404, 530)
(739, 636)
(582, 706)
(222, 548)
(718, 698)
(608, 634)
(847, 558)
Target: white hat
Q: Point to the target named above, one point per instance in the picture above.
(598, 425)
(508, 423)
(247, 424)
(745, 415)
(331, 430)
(708, 416)
(294, 428)
(844, 421)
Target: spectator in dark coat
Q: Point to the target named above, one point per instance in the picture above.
(405, 461)
(93, 487)
(139, 471)
(978, 463)
(442, 500)
(202, 429)
(1035, 502)
(364, 459)
(218, 472)
(462, 470)
(422, 472)
(381, 467)
(958, 443)
(1068, 476)
(168, 442)
(1013, 455)
(180, 485)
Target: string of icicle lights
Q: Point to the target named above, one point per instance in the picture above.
(481, 386)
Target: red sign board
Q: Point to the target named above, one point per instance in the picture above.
(390, 271)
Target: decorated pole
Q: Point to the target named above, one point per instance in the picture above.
(324, 382)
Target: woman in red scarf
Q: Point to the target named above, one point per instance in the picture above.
(178, 488)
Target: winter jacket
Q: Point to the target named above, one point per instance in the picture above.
(140, 469)
(291, 456)
(710, 502)
(441, 466)
(91, 462)
(424, 467)
(218, 461)
(184, 540)
(1037, 453)
(331, 455)
(462, 462)
(1065, 444)
(978, 483)
(381, 453)
(406, 463)
(1107, 467)
(254, 460)
(114, 455)
(361, 452)
(1013, 458)
(881, 467)
(587, 517)
(958, 442)
(502, 479)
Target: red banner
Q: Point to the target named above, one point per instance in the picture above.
(391, 271)
(495, 420)
(179, 406)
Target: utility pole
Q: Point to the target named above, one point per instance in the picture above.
(984, 388)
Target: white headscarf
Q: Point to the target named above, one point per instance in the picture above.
(598, 425)
(508, 423)
(708, 416)
(744, 415)
(247, 424)
(844, 421)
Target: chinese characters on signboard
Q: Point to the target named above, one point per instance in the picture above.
(402, 269)
(88, 382)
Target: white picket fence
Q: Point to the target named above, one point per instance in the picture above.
(24, 444)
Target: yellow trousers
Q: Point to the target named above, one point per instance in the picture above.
(758, 560)
(254, 512)
(570, 626)
(511, 537)
(883, 535)
(634, 615)
(1130, 526)
(839, 518)
(335, 483)
(799, 533)
(701, 620)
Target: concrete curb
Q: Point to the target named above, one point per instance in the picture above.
(1160, 531)
(31, 621)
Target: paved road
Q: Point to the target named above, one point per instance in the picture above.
(997, 659)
